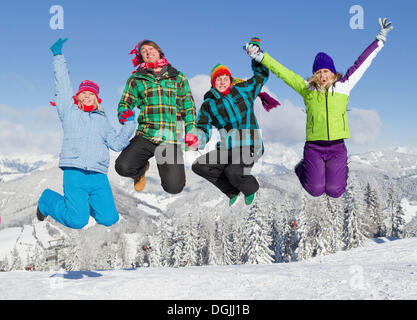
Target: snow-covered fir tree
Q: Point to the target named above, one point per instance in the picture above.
(373, 212)
(229, 245)
(177, 244)
(154, 242)
(336, 216)
(190, 243)
(72, 254)
(38, 259)
(307, 231)
(202, 241)
(259, 241)
(15, 260)
(164, 231)
(398, 222)
(4, 265)
(122, 260)
(212, 255)
(284, 234)
(354, 228)
(391, 207)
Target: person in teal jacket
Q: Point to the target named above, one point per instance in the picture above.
(84, 157)
(229, 107)
(324, 165)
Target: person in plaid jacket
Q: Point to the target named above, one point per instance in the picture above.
(229, 106)
(163, 96)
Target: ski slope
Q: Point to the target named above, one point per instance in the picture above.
(382, 269)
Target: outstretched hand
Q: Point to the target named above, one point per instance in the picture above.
(57, 46)
(126, 115)
(385, 28)
(191, 141)
(254, 52)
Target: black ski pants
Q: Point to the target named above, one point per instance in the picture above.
(169, 158)
(228, 170)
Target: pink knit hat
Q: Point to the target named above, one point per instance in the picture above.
(91, 86)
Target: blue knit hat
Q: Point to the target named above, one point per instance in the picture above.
(323, 61)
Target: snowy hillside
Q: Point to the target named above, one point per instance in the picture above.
(200, 207)
(15, 167)
(382, 269)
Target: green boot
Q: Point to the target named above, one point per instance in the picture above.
(233, 200)
(249, 199)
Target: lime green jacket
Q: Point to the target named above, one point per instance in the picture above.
(326, 110)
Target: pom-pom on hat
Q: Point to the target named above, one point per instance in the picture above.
(219, 70)
(323, 61)
(256, 41)
(136, 51)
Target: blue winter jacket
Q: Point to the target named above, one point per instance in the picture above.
(87, 135)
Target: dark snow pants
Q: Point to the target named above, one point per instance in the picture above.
(324, 168)
(228, 170)
(169, 158)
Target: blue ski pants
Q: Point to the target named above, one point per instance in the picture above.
(85, 193)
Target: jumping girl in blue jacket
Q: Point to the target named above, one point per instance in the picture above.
(84, 157)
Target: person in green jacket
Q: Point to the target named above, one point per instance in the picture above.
(323, 168)
(164, 98)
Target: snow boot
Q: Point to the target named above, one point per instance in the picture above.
(233, 201)
(299, 167)
(140, 182)
(249, 199)
(39, 214)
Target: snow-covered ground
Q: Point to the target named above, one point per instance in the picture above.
(382, 269)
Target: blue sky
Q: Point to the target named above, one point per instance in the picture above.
(196, 35)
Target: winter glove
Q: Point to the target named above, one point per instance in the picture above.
(126, 115)
(57, 46)
(191, 141)
(254, 51)
(385, 28)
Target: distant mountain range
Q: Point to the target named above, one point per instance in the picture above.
(23, 180)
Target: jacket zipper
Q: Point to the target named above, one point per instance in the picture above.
(312, 125)
(88, 141)
(327, 116)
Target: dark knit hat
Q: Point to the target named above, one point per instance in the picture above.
(323, 61)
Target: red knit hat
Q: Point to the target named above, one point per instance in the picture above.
(219, 70)
(91, 86)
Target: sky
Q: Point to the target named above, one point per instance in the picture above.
(195, 36)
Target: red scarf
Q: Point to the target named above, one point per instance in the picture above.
(83, 106)
(157, 64)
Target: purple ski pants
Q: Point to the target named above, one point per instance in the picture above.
(324, 168)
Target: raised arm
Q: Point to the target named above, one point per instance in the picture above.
(355, 72)
(255, 84)
(63, 89)
(292, 79)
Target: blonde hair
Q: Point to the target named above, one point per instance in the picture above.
(313, 82)
(96, 104)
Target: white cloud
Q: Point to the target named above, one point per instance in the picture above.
(29, 131)
(199, 85)
(284, 124)
(364, 125)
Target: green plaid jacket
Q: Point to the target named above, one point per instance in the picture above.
(165, 103)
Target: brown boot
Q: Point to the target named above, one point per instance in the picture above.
(140, 182)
